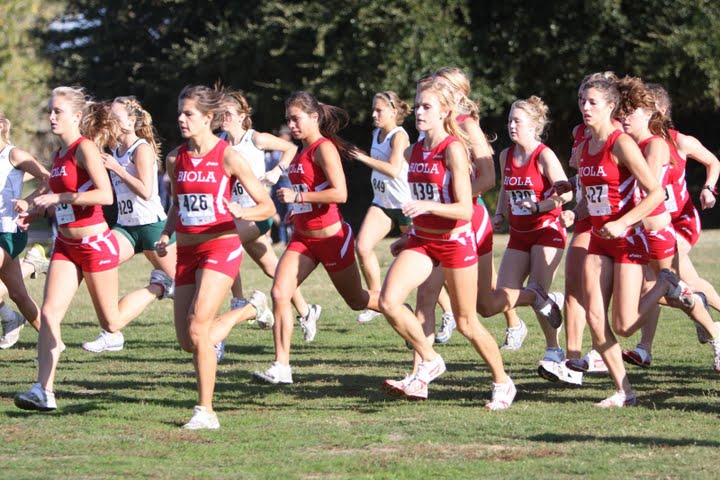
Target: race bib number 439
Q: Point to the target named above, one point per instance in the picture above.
(196, 208)
(424, 191)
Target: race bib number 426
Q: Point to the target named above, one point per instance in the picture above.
(196, 208)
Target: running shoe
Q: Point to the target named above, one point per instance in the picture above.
(275, 374)
(715, 344)
(396, 388)
(308, 323)
(638, 356)
(617, 400)
(106, 342)
(264, 314)
(36, 398)
(702, 335)
(11, 330)
(202, 420)
(503, 395)
(447, 326)
(547, 305)
(595, 363)
(35, 257)
(158, 277)
(678, 289)
(558, 372)
(514, 337)
(367, 315)
(220, 350)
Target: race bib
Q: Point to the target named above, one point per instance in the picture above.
(597, 200)
(196, 209)
(300, 207)
(126, 207)
(424, 191)
(64, 213)
(670, 201)
(517, 196)
(239, 195)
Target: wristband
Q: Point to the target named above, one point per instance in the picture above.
(283, 168)
(713, 190)
(301, 199)
(537, 207)
(297, 196)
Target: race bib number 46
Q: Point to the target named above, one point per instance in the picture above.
(424, 191)
(517, 196)
(239, 195)
(597, 200)
(196, 208)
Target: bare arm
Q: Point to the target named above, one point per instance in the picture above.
(482, 157)
(393, 166)
(144, 159)
(551, 168)
(24, 161)
(238, 167)
(628, 154)
(266, 141)
(691, 147)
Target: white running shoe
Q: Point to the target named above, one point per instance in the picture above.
(558, 372)
(678, 289)
(426, 373)
(367, 315)
(202, 420)
(36, 399)
(35, 257)
(11, 330)
(553, 354)
(106, 342)
(264, 315)
(503, 395)
(158, 277)
(275, 374)
(308, 323)
(617, 400)
(595, 363)
(715, 344)
(396, 388)
(514, 337)
(236, 303)
(220, 350)
(447, 326)
(547, 305)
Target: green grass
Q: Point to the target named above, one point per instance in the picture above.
(120, 412)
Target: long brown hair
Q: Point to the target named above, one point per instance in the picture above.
(237, 100)
(331, 119)
(634, 94)
(207, 100)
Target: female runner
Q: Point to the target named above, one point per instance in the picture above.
(209, 252)
(320, 234)
(133, 168)
(439, 178)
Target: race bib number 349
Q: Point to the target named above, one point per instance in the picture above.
(196, 208)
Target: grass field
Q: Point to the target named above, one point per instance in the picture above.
(119, 413)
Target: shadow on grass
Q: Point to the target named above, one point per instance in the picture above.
(629, 439)
(72, 409)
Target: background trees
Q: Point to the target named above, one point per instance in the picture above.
(344, 51)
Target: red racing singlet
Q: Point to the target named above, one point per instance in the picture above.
(664, 178)
(67, 177)
(430, 180)
(306, 176)
(676, 194)
(526, 182)
(201, 183)
(609, 187)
